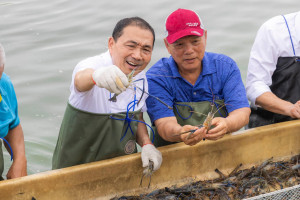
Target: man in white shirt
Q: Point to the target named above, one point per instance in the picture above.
(104, 116)
(273, 79)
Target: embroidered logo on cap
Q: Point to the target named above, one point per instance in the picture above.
(192, 24)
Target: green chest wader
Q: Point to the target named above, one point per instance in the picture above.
(192, 113)
(86, 137)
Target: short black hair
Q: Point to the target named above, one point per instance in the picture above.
(135, 21)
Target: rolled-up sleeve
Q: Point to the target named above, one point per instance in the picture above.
(262, 64)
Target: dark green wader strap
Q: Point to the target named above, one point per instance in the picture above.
(1, 162)
(184, 116)
(86, 137)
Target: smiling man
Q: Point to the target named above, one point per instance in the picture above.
(194, 82)
(95, 127)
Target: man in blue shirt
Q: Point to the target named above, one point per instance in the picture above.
(192, 83)
(10, 128)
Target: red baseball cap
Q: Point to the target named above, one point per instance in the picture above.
(181, 23)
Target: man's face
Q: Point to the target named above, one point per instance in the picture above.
(132, 50)
(188, 52)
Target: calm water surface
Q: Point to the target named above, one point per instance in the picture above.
(44, 40)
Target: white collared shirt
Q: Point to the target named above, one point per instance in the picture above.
(96, 100)
(272, 41)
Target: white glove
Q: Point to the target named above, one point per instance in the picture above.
(149, 152)
(111, 78)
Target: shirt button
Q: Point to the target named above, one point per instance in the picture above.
(195, 93)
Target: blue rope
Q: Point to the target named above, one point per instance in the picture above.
(290, 34)
(141, 79)
(11, 151)
(143, 90)
(134, 100)
(127, 120)
(184, 118)
(146, 125)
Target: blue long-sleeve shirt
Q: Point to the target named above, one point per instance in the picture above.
(9, 118)
(220, 74)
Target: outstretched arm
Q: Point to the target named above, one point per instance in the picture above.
(83, 80)
(233, 122)
(15, 138)
(109, 77)
(271, 102)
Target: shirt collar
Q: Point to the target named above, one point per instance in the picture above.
(206, 67)
(174, 67)
(107, 55)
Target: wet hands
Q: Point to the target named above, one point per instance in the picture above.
(149, 152)
(111, 78)
(221, 127)
(295, 110)
(17, 169)
(193, 137)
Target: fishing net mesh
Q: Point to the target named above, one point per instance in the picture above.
(291, 193)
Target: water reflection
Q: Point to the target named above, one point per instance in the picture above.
(44, 40)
